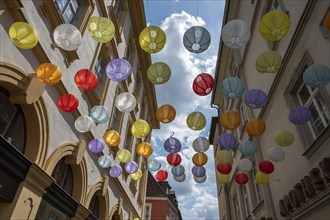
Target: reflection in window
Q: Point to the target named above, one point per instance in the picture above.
(94, 206)
(63, 176)
(117, 9)
(48, 211)
(67, 9)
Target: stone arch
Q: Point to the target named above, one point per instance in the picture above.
(116, 212)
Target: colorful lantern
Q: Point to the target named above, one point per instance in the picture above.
(131, 167)
(232, 87)
(199, 159)
(159, 73)
(224, 168)
(245, 165)
(173, 159)
(125, 102)
(115, 171)
(196, 39)
(196, 121)
(100, 114)
(172, 145)
(201, 144)
(23, 35)
(180, 178)
(317, 75)
(235, 34)
(268, 62)
(241, 178)
(161, 175)
(327, 22)
(123, 155)
(203, 84)
(274, 25)
(224, 157)
(144, 149)
(67, 37)
(83, 123)
(85, 79)
(300, 115)
(101, 29)
(153, 165)
(112, 138)
(200, 179)
(266, 167)
(284, 138)
(255, 98)
(262, 178)
(227, 141)
(224, 179)
(104, 161)
(118, 69)
(230, 120)
(152, 39)
(96, 145)
(178, 170)
(137, 175)
(255, 127)
(276, 154)
(247, 148)
(165, 113)
(140, 128)
(198, 171)
(49, 73)
(67, 103)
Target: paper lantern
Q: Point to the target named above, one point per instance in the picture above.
(317, 75)
(262, 178)
(300, 115)
(199, 159)
(224, 168)
(104, 161)
(230, 120)
(268, 62)
(274, 25)
(137, 175)
(140, 128)
(284, 138)
(112, 138)
(203, 84)
(241, 178)
(173, 159)
(125, 102)
(180, 178)
(165, 114)
(144, 149)
(178, 170)
(266, 167)
(245, 165)
(255, 98)
(196, 39)
(172, 145)
(67, 37)
(200, 179)
(224, 179)
(198, 171)
(224, 157)
(153, 165)
(255, 127)
(236, 34)
(161, 175)
(131, 167)
(85, 79)
(247, 148)
(232, 87)
(159, 73)
(276, 154)
(196, 121)
(49, 73)
(67, 102)
(115, 171)
(152, 39)
(100, 114)
(101, 29)
(201, 144)
(83, 123)
(96, 145)
(118, 69)
(227, 141)
(23, 35)
(123, 155)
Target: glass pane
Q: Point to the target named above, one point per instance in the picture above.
(99, 70)
(315, 120)
(68, 181)
(59, 172)
(7, 112)
(48, 211)
(74, 5)
(68, 15)
(304, 95)
(16, 132)
(61, 4)
(117, 9)
(114, 122)
(324, 109)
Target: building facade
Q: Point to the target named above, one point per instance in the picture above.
(46, 172)
(299, 186)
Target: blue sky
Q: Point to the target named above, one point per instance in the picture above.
(196, 201)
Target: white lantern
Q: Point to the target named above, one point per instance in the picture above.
(180, 178)
(83, 123)
(200, 179)
(245, 165)
(236, 34)
(125, 102)
(67, 37)
(201, 144)
(276, 154)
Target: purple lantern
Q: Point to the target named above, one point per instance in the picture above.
(115, 171)
(131, 167)
(198, 171)
(172, 145)
(118, 70)
(300, 115)
(227, 141)
(96, 145)
(255, 98)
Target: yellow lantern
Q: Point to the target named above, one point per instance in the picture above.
(159, 73)
(268, 62)
(224, 157)
(196, 121)
(101, 29)
(49, 73)
(230, 120)
(123, 155)
(23, 35)
(255, 127)
(144, 149)
(274, 25)
(284, 138)
(152, 39)
(140, 128)
(137, 175)
(262, 178)
(199, 159)
(165, 113)
(112, 138)
(223, 178)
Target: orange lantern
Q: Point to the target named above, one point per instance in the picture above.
(112, 138)
(230, 120)
(327, 22)
(49, 73)
(199, 159)
(165, 113)
(144, 149)
(255, 127)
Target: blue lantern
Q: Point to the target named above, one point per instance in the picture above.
(255, 98)
(172, 145)
(227, 141)
(198, 171)
(153, 165)
(300, 115)
(232, 87)
(100, 114)
(317, 75)
(247, 148)
(178, 170)
(104, 161)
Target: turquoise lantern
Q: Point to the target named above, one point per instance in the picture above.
(153, 165)
(232, 87)
(247, 148)
(178, 170)
(100, 114)
(317, 75)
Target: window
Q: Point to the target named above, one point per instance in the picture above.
(137, 87)
(129, 137)
(147, 215)
(67, 9)
(63, 176)
(236, 207)
(246, 201)
(99, 70)
(47, 211)
(94, 206)
(117, 8)
(257, 187)
(243, 119)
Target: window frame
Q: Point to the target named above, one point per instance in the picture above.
(257, 187)
(118, 23)
(68, 169)
(95, 203)
(119, 89)
(148, 205)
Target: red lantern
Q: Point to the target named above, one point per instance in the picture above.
(173, 159)
(203, 84)
(266, 166)
(67, 103)
(86, 79)
(224, 168)
(241, 178)
(161, 175)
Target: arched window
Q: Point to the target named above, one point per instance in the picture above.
(94, 206)
(63, 176)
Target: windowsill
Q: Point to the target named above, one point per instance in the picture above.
(258, 207)
(317, 143)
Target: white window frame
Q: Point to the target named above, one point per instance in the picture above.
(246, 201)
(148, 212)
(257, 187)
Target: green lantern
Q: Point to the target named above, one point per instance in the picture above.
(274, 25)
(196, 121)
(224, 157)
(284, 138)
(268, 62)
(101, 29)
(123, 155)
(152, 39)
(159, 73)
